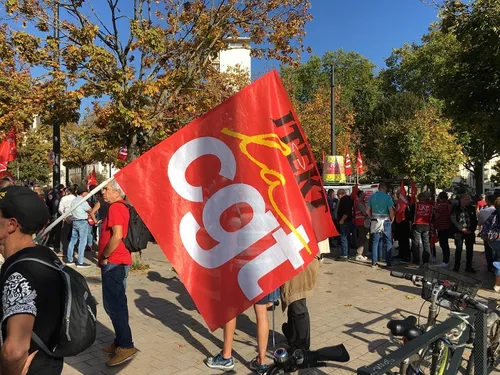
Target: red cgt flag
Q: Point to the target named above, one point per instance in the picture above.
(402, 204)
(8, 150)
(359, 163)
(348, 166)
(229, 201)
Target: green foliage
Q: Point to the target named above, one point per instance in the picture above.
(33, 157)
(411, 140)
(150, 55)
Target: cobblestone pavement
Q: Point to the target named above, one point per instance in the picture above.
(351, 305)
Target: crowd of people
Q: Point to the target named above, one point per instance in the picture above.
(373, 225)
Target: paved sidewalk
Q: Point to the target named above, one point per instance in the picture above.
(351, 305)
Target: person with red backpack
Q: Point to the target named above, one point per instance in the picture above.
(421, 215)
(115, 261)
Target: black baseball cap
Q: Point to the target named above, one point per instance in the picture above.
(25, 206)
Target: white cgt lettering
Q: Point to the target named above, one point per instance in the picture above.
(287, 247)
(189, 152)
(230, 243)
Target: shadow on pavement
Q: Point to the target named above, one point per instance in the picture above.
(174, 318)
(174, 285)
(86, 361)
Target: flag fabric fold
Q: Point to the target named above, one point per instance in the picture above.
(348, 166)
(92, 179)
(234, 199)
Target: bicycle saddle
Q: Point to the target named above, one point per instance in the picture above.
(406, 328)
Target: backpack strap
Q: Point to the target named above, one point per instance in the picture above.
(34, 336)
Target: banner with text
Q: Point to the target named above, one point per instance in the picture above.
(234, 199)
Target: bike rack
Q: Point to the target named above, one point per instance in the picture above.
(394, 359)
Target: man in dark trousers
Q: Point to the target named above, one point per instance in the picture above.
(32, 295)
(344, 216)
(464, 220)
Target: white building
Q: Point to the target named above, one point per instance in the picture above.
(236, 54)
(467, 177)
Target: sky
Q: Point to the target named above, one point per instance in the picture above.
(371, 27)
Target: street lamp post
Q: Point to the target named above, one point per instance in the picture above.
(332, 113)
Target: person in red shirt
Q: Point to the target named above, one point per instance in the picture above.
(443, 224)
(481, 203)
(421, 215)
(115, 260)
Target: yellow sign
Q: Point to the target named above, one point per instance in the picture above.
(334, 169)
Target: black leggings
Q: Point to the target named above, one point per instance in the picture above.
(444, 244)
(297, 329)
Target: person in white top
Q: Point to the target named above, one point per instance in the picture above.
(67, 227)
(482, 216)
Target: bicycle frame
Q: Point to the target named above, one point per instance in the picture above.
(438, 332)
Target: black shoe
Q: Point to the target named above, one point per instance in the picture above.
(83, 265)
(470, 270)
(456, 269)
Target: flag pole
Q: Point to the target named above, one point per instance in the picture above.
(66, 214)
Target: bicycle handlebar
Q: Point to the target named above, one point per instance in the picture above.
(447, 293)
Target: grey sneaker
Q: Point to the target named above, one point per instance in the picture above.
(218, 362)
(83, 265)
(257, 367)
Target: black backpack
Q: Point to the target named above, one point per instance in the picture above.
(138, 234)
(78, 327)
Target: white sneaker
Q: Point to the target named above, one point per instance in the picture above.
(361, 258)
(496, 288)
(443, 265)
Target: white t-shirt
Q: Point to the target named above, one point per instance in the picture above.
(484, 214)
(65, 203)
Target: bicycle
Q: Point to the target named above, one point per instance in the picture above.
(456, 297)
(285, 362)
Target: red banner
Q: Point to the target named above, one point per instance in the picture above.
(234, 200)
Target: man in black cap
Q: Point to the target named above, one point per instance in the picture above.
(31, 293)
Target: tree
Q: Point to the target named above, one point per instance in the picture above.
(412, 141)
(457, 64)
(495, 178)
(148, 55)
(355, 94)
(32, 160)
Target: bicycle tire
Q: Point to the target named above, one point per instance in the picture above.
(422, 364)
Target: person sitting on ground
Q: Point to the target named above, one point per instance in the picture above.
(32, 295)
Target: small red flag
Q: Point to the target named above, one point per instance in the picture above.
(348, 166)
(413, 192)
(245, 217)
(402, 204)
(123, 153)
(359, 163)
(92, 179)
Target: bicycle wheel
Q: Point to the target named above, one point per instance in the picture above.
(422, 365)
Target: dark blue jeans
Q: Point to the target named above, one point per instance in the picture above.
(386, 237)
(345, 231)
(114, 283)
